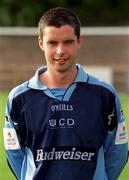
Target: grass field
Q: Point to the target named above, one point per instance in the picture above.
(5, 173)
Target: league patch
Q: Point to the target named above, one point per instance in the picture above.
(121, 134)
(10, 139)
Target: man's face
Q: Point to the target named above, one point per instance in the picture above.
(60, 47)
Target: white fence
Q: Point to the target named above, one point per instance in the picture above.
(97, 31)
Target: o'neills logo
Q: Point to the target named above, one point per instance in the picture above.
(66, 153)
(62, 107)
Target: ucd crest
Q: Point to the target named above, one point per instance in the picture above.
(52, 122)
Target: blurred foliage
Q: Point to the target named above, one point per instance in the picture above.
(91, 12)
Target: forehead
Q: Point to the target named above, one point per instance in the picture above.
(63, 32)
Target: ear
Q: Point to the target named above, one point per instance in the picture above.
(80, 41)
(40, 41)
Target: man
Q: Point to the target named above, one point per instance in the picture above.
(64, 124)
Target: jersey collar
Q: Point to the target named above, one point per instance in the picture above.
(34, 82)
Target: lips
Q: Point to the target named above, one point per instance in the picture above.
(61, 60)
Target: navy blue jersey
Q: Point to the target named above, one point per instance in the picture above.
(65, 138)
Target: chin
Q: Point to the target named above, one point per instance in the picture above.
(63, 69)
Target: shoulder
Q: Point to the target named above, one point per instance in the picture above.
(92, 80)
(87, 78)
(18, 90)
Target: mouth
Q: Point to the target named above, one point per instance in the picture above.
(61, 60)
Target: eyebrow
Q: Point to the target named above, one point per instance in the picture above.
(65, 41)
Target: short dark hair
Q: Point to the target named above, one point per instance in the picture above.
(58, 17)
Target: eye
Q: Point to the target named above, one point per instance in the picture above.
(52, 43)
(69, 42)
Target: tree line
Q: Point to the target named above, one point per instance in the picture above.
(91, 12)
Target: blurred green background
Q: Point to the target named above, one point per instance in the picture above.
(91, 12)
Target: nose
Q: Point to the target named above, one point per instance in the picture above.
(60, 50)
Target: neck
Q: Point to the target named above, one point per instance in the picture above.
(58, 79)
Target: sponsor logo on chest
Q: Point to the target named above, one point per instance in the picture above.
(65, 153)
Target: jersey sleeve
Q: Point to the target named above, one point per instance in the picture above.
(14, 152)
(116, 146)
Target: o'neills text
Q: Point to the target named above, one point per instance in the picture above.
(62, 107)
(65, 153)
